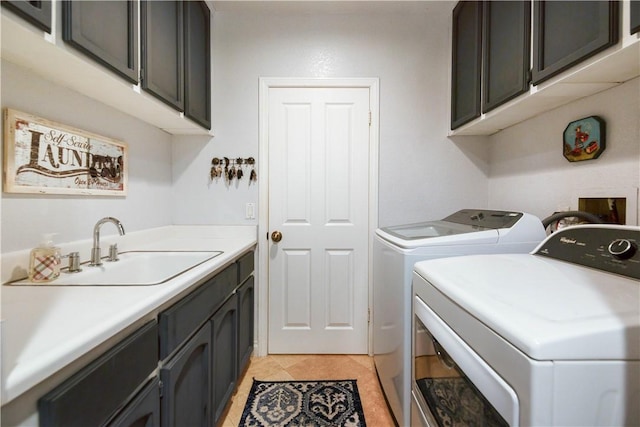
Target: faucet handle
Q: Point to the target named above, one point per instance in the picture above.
(74, 262)
(113, 253)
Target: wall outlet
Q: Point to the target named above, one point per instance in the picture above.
(250, 211)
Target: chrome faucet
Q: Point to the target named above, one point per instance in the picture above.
(96, 257)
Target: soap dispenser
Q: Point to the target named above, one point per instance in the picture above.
(44, 264)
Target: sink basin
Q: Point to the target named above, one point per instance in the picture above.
(135, 268)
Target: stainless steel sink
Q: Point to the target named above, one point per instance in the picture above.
(135, 268)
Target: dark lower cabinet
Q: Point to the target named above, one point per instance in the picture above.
(224, 330)
(186, 383)
(245, 323)
(97, 392)
(115, 45)
(144, 409)
(568, 32)
(37, 13)
(182, 319)
(179, 371)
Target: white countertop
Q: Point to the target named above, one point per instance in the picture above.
(45, 328)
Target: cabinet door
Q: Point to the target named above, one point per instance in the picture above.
(197, 63)
(179, 321)
(36, 12)
(162, 51)
(107, 31)
(186, 383)
(92, 396)
(245, 323)
(465, 70)
(143, 410)
(635, 16)
(567, 32)
(245, 266)
(224, 355)
(506, 51)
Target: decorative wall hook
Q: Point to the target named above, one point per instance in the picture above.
(230, 168)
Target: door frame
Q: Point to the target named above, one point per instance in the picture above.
(266, 83)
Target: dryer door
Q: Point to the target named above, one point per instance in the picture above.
(450, 382)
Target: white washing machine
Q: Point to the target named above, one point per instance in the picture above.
(550, 338)
(398, 248)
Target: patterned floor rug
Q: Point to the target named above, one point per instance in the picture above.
(303, 404)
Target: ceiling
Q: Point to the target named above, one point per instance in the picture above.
(341, 7)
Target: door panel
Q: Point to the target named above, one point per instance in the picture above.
(296, 284)
(318, 200)
(339, 301)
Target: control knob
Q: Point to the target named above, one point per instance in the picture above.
(622, 248)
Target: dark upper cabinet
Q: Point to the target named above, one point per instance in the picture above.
(635, 16)
(506, 51)
(107, 31)
(466, 62)
(567, 32)
(162, 51)
(36, 12)
(197, 60)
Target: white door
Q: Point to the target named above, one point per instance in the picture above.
(318, 201)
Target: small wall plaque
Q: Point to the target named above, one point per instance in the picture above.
(584, 139)
(45, 157)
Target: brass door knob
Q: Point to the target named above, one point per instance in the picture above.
(276, 236)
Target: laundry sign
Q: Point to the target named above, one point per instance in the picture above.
(42, 156)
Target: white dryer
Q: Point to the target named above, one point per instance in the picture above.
(398, 248)
(550, 338)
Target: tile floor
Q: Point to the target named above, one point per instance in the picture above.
(315, 367)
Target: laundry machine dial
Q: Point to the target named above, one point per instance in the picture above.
(622, 248)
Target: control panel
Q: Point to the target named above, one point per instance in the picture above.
(611, 248)
(485, 218)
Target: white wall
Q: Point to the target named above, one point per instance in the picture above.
(422, 174)
(26, 217)
(529, 171)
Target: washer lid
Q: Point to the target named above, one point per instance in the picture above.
(485, 223)
(463, 221)
(548, 309)
(430, 229)
(437, 233)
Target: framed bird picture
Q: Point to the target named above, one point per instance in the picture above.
(584, 139)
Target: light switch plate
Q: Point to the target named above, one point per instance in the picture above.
(250, 211)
